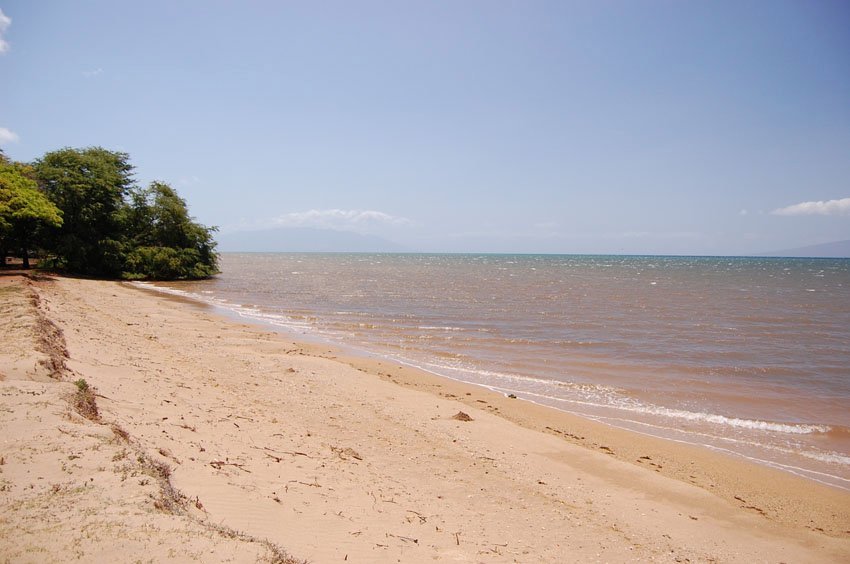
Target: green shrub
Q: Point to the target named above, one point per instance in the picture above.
(167, 263)
(111, 226)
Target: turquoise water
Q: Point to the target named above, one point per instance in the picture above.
(749, 356)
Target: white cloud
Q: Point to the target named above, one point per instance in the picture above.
(341, 220)
(5, 22)
(91, 73)
(829, 207)
(7, 136)
(743, 212)
(359, 221)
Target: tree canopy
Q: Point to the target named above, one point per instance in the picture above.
(165, 242)
(82, 207)
(25, 212)
(89, 186)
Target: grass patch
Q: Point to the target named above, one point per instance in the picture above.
(175, 502)
(84, 401)
(170, 499)
(120, 434)
(276, 554)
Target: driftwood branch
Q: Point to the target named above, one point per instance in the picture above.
(217, 464)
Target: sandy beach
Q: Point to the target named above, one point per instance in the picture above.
(216, 440)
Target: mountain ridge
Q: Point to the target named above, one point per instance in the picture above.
(833, 249)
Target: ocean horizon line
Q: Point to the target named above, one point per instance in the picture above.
(542, 254)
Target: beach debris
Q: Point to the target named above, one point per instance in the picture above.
(346, 453)
(416, 514)
(217, 464)
(512, 396)
(167, 454)
(275, 458)
(314, 484)
(495, 550)
(405, 539)
(461, 416)
(745, 505)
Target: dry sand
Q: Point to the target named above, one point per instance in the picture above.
(221, 441)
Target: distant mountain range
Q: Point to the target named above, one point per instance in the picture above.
(836, 249)
(304, 240)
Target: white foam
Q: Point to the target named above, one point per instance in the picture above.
(614, 399)
(238, 309)
(797, 429)
(627, 404)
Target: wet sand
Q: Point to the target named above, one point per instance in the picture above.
(218, 440)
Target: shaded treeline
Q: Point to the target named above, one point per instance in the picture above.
(82, 211)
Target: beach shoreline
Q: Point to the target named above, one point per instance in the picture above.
(547, 418)
(331, 455)
(713, 352)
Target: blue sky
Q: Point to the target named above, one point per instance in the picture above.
(592, 127)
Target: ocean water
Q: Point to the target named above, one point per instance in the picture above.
(747, 356)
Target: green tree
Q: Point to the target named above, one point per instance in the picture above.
(164, 241)
(89, 186)
(25, 213)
